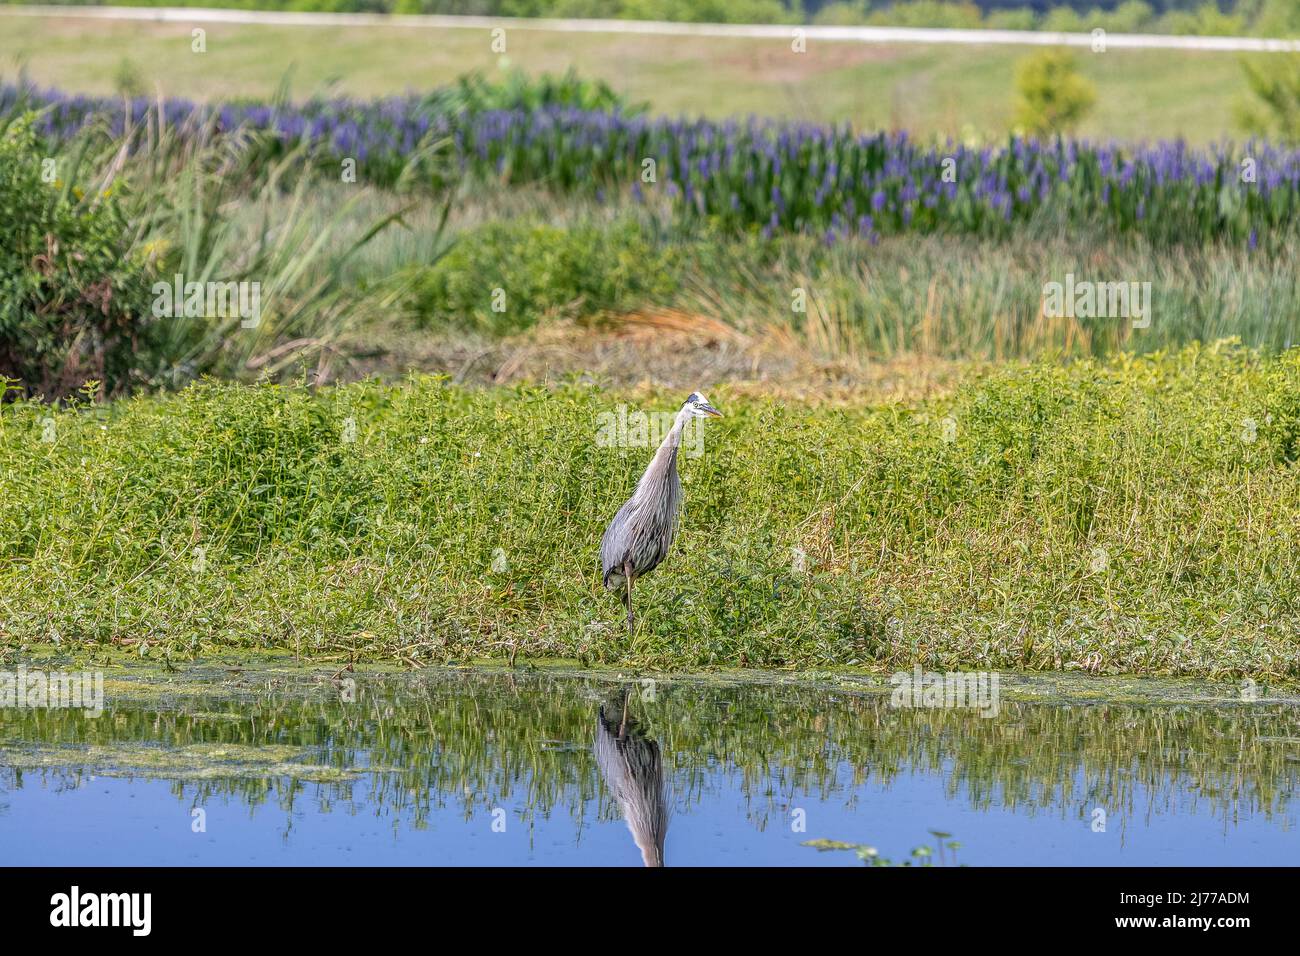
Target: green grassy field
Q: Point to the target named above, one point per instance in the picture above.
(1044, 518)
(924, 89)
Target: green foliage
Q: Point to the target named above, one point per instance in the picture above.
(950, 14)
(842, 13)
(1278, 18)
(517, 90)
(699, 11)
(711, 11)
(1131, 16)
(1063, 20)
(1053, 97)
(954, 297)
(974, 547)
(208, 221)
(80, 271)
(1011, 20)
(1275, 110)
(74, 293)
(1211, 21)
(542, 271)
(127, 79)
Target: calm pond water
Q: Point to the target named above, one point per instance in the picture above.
(468, 767)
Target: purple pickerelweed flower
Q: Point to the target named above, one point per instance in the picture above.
(775, 175)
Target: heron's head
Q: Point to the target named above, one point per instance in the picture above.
(699, 406)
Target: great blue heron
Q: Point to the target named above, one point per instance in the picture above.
(633, 769)
(639, 536)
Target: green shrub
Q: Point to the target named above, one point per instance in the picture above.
(1011, 20)
(842, 13)
(1274, 110)
(1213, 22)
(507, 276)
(951, 14)
(1053, 97)
(1178, 23)
(74, 295)
(83, 273)
(1278, 18)
(517, 90)
(1062, 20)
(711, 11)
(1132, 16)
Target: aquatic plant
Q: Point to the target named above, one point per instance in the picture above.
(924, 855)
(767, 176)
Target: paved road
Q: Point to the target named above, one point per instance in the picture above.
(812, 34)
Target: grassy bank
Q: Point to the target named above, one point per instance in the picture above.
(927, 90)
(1134, 516)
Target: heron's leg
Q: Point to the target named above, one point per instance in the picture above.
(631, 618)
(622, 728)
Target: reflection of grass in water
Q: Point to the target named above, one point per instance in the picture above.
(480, 741)
(186, 762)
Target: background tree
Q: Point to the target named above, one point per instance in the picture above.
(1053, 96)
(1274, 110)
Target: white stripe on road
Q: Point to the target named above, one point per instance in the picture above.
(1131, 41)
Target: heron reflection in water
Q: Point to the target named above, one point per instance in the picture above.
(633, 769)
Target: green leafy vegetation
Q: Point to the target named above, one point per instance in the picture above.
(1053, 97)
(84, 259)
(515, 89)
(74, 291)
(505, 277)
(1274, 109)
(950, 297)
(1046, 517)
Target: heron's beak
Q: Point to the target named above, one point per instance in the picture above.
(710, 411)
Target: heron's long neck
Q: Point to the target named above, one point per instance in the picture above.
(664, 463)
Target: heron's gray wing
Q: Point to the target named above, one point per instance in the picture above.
(633, 770)
(613, 544)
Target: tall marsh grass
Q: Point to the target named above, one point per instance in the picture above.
(955, 297)
(118, 221)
